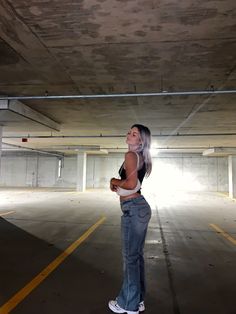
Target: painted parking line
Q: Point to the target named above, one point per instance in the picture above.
(223, 233)
(7, 213)
(226, 194)
(28, 288)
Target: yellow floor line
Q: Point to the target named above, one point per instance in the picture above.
(7, 213)
(225, 194)
(27, 289)
(223, 233)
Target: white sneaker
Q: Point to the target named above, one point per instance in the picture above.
(114, 307)
(141, 307)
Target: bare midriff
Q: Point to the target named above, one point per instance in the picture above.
(134, 195)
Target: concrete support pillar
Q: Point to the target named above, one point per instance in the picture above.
(81, 172)
(232, 176)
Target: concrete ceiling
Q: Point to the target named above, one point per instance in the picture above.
(116, 46)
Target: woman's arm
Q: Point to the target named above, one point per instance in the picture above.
(131, 173)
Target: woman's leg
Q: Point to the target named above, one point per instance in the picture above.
(142, 278)
(129, 294)
(134, 224)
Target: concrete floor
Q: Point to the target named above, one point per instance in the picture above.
(190, 267)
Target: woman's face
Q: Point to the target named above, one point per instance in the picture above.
(133, 137)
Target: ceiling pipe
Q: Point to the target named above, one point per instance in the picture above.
(115, 136)
(32, 149)
(160, 148)
(163, 93)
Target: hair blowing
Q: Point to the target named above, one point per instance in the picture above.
(145, 146)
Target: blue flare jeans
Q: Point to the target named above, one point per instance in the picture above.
(134, 224)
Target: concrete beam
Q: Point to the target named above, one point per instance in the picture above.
(27, 112)
(219, 151)
(75, 149)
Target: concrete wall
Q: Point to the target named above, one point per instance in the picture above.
(190, 173)
(32, 171)
(193, 172)
(101, 168)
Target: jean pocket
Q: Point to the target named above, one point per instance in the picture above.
(127, 213)
(144, 213)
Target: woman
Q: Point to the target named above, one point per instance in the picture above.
(134, 221)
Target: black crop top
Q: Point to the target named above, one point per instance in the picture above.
(141, 173)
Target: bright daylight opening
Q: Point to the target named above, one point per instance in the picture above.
(168, 178)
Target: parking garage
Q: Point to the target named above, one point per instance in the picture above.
(74, 77)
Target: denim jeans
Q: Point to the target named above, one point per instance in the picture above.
(134, 223)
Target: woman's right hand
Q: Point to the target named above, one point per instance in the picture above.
(113, 187)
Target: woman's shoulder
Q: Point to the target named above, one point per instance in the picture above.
(132, 156)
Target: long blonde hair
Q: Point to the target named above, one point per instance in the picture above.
(145, 146)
